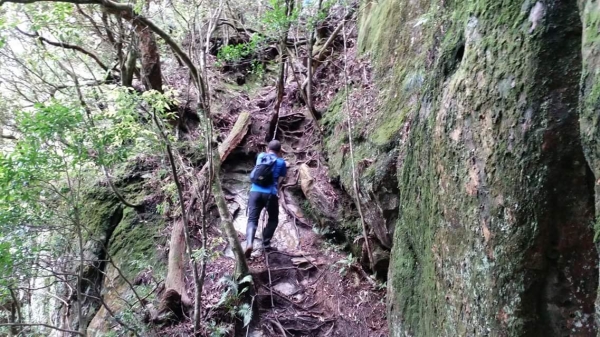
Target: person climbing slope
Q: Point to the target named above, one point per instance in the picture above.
(266, 178)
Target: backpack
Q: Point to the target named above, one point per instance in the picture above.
(262, 174)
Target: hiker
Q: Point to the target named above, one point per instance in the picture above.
(266, 179)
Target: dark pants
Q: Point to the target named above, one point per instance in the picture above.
(256, 202)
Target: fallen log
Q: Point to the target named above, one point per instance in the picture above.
(175, 283)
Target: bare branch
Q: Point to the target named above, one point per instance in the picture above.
(87, 84)
(78, 2)
(127, 12)
(66, 46)
(41, 324)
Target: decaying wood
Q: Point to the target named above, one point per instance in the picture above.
(176, 263)
(237, 133)
(175, 281)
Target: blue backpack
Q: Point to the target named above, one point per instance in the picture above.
(262, 174)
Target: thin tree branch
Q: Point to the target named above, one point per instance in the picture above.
(87, 84)
(91, 120)
(127, 12)
(355, 185)
(66, 46)
(41, 324)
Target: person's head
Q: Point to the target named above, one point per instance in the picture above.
(274, 147)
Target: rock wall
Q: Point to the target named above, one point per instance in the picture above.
(590, 95)
(480, 100)
(127, 238)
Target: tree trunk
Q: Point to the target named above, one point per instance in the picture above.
(129, 68)
(150, 56)
(175, 281)
(241, 266)
(281, 79)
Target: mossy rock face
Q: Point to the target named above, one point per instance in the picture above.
(375, 162)
(590, 98)
(133, 249)
(99, 217)
(590, 95)
(493, 236)
(131, 237)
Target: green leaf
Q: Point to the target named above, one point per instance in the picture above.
(245, 311)
(246, 279)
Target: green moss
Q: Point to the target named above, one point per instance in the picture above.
(134, 241)
(461, 74)
(334, 114)
(369, 162)
(590, 121)
(194, 151)
(131, 236)
(100, 206)
(388, 129)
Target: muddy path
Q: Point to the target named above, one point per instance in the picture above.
(307, 295)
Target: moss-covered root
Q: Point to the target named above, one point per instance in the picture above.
(494, 235)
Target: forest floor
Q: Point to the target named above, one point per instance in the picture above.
(307, 285)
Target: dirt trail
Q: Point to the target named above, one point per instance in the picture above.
(311, 290)
(307, 286)
(314, 289)
(306, 295)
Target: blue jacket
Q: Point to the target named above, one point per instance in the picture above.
(279, 170)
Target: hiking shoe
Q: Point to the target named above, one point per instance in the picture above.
(248, 251)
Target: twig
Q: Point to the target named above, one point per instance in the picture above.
(41, 324)
(290, 255)
(267, 259)
(282, 297)
(353, 166)
(332, 326)
(365, 275)
(285, 268)
(286, 330)
(318, 278)
(36, 35)
(281, 329)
